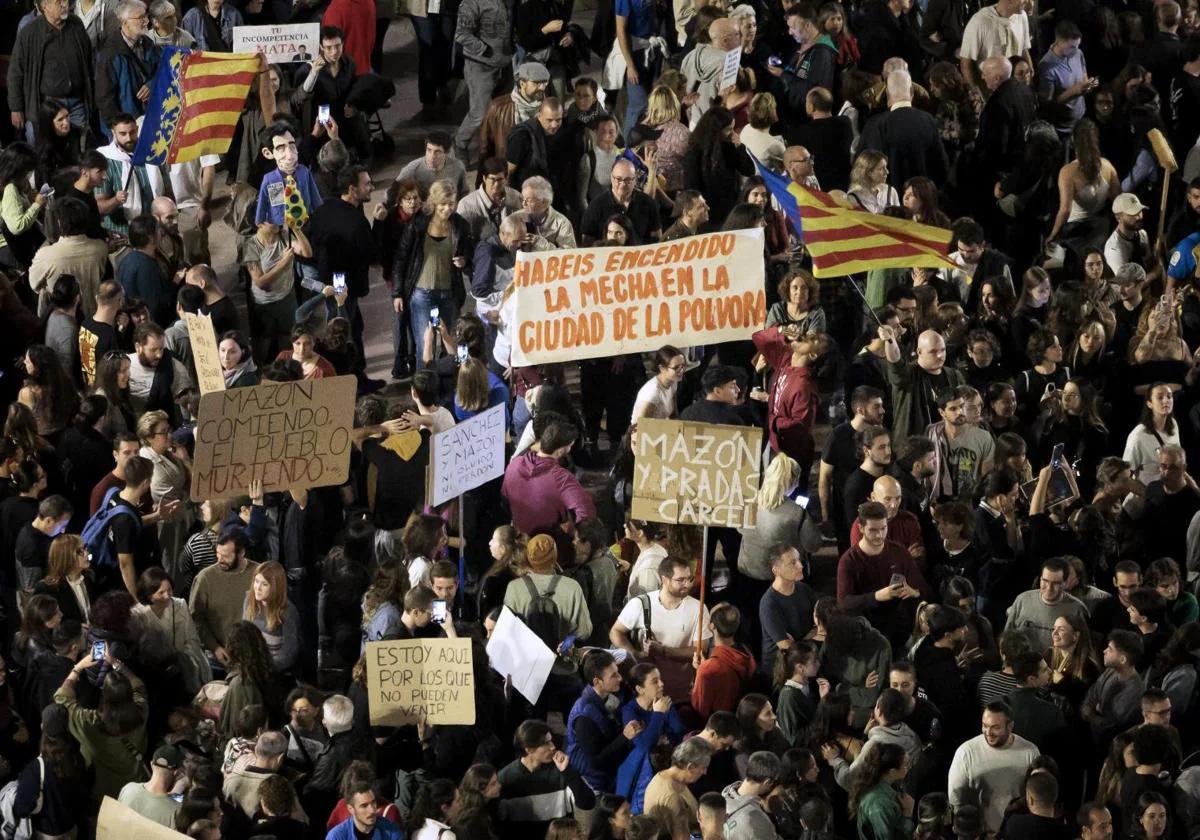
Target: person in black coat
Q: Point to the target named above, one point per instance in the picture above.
(888, 28)
(342, 241)
(1011, 107)
(908, 136)
(827, 137)
(346, 744)
(937, 669)
(715, 157)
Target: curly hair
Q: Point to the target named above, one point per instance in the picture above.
(248, 653)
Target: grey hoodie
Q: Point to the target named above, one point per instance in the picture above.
(745, 817)
(899, 733)
(702, 69)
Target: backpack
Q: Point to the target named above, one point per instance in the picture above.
(97, 535)
(10, 827)
(542, 615)
(641, 635)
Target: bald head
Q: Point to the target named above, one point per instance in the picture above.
(892, 64)
(623, 180)
(931, 351)
(996, 71)
(899, 87)
(164, 210)
(886, 491)
(724, 34)
(798, 163)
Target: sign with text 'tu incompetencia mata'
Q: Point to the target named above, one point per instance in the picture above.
(587, 303)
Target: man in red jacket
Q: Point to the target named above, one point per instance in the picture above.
(725, 675)
(356, 19)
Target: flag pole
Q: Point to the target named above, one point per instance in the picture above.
(866, 303)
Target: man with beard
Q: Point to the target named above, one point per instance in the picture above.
(1129, 243)
(903, 527)
(139, 184)
(964, 452)
(218, 592)
(841, 456)
(154, 376)
(545, 146)
(877, 577)
(875, 447)
(169, 250)
(915, 385)
(991, 767)
(625, 198)
(509, 110)
(912, 464)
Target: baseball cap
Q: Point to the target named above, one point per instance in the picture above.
(168, 756)
(1127, 203)
(533, 71)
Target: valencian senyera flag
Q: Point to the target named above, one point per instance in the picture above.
(194, 106)
(846, 241)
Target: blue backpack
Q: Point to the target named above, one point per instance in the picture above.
(97, 536)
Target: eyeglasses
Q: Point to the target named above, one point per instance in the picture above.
(628, 180)
(160, 433)
(114, 354)
(676, 367)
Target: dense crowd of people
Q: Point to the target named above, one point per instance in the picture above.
(967, 605)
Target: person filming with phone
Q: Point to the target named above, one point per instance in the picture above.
(879, 578)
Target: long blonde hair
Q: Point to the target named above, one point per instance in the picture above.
(662, 106)
(472, 390)
(863, 164)
(780, 477)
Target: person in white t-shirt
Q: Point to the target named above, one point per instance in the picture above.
(675, 620)
(1002, 29)
(649, 536)
(656, 399)
(991, 766)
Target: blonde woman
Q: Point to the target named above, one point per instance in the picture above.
(66, 578)
(662, 116)
(869, 187)
(779, 520)
(168, 483)
(477, 389)
(757, 137)
(1157, 338)
(267, 607)
(428, 273)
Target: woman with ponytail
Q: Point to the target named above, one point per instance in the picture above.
(800, 690)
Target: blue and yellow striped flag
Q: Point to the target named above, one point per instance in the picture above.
(843, 241)
(195, 103)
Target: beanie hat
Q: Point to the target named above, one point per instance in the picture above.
(542, 551)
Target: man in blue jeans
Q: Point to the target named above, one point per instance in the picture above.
(637, 22)
(483, 32)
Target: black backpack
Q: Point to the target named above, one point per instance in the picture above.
(542, 615)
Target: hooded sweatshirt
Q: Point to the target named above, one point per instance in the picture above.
(745, 817)
(541, 493)
(702, 69)
(722, 679)
(897, 733)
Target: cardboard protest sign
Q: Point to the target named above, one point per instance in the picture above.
(415, 680)
(288, 434)
(280, 43)
(586, 303)
(516, 651)
(697, 473)
(204, 352)
(120, 822)
(729, 70)
(466, 456)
